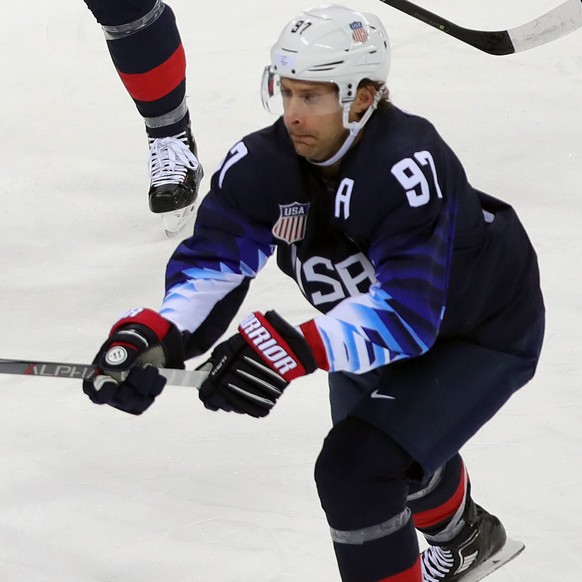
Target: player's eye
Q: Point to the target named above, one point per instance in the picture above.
(311, 99)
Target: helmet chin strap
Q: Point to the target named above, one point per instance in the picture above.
(354, 128)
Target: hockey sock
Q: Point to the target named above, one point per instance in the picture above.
(438, 505)
(362, 484)
(150, 60)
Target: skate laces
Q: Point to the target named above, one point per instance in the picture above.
(436, 563)
(170, 159)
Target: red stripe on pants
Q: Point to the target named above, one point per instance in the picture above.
(431, 517)
(413, 574)
(158, 82)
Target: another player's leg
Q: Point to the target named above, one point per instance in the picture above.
(462, 536)
(362, 483)
(146, 49)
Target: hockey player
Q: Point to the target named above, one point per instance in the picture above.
(431, 309)
(145, 46)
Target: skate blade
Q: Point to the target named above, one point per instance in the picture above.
(175, 222)
(510, 550)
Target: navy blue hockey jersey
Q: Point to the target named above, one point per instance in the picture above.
(397, 252)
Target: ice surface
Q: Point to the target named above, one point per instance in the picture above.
(88, 494)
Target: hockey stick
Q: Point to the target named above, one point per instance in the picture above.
(558, 22)
(193, 378)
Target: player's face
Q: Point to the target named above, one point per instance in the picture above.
(313, 118)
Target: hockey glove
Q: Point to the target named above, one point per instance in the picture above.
(249, 371)
(128, 378)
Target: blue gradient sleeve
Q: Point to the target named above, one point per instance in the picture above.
(208, 275)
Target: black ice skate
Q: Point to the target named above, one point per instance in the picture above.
(175, 174)
(480, 548)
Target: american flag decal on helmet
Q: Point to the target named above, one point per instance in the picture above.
(292, 222)
(359, 33)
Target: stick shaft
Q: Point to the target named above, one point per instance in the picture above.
(82, 371)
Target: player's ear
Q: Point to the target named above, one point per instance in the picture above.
(364, 99)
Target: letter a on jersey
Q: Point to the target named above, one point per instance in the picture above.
(292, 222)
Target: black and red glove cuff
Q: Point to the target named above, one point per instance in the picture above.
(155, 329)
(279, 344)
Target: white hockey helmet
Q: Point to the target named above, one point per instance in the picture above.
(329, 43)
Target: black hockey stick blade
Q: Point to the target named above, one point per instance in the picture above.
(556, 23)
(193, 378)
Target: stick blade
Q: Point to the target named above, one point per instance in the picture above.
(552, 25)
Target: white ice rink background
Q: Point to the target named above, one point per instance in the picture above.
(89, 494)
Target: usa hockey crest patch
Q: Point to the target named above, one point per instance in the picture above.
(292, 222)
